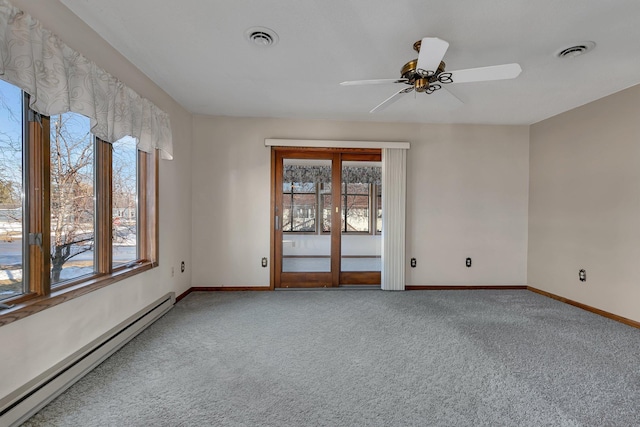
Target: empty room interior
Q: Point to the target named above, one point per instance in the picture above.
(440, 199)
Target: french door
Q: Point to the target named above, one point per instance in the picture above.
(326, 217)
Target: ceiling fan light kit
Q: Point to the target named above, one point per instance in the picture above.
(426, 74)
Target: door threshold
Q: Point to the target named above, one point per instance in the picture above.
(361, 287)
(340, 288)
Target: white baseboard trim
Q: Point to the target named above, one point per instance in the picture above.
(23, 403)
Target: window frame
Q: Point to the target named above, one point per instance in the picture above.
(374, 204)
(38, 293)
(372, 216)
(344, 196)
(290, 195)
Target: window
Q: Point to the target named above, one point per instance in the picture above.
(72, 208)
(360, 194)
(304, 202)
(378, 205)
(11, 190)
(325, 203)
(125, 201)
(299, 207)
(355, 207)
(89, 207)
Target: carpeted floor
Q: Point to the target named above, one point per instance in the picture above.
(365, 358)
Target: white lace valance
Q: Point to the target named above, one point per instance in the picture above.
(60, 80)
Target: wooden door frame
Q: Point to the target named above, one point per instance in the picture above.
(316, 279)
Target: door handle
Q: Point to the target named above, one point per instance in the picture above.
(277, 222)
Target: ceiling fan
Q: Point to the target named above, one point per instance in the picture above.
(427, 73)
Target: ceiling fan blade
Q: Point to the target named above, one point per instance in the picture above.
(432, 50)
(482, 74)
(372, 82)
(393, 98)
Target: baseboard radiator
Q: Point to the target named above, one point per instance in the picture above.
(33, 396)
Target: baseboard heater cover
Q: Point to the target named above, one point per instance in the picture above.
(23, 403)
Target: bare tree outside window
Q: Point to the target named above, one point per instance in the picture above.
(72, 197)
(355, 207)
(360, 199)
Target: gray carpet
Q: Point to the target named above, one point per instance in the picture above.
(365, 358)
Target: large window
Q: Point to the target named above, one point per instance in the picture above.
(125, 201)
(89, 207)
(307, 198)
(72, 197)
(11, 190)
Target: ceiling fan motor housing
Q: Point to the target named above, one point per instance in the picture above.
(422, 81)
(421, 85)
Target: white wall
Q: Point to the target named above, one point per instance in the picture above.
(584, 207)
(37, 342)
(467, 191)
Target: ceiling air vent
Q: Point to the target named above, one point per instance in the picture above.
(261, 36)
(576, 50)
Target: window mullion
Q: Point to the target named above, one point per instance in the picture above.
(148, 205)
(104, 230)
(39, 203)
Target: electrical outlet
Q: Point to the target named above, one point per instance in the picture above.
(264, 261)
(413, 262)
(582, 275)
(468, 262)
(182, 267)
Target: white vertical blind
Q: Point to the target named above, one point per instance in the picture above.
(394, 193)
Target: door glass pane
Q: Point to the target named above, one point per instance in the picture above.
(11, 190)
(125, 201)
(306, 191)
(72, 197)
(361, 245)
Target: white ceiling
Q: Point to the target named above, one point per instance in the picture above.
(197, 52)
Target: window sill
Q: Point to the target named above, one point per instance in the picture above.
(25, 307)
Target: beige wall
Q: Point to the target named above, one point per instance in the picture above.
(36, 343)
(467, 196)
(584, 208)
